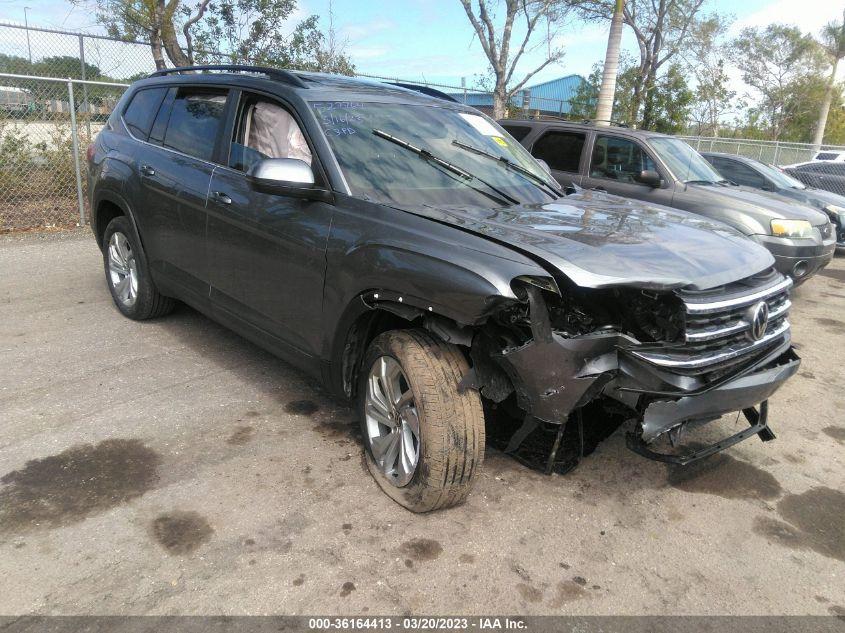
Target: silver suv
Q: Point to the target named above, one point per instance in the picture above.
(665, 170)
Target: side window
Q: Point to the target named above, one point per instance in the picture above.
(265, 129)
(561, 150)
(519, 132)
(196, 118)
(619, 159)
(721, 165)
(744, 175)
(141, 111)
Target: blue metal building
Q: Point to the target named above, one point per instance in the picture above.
(549, 97)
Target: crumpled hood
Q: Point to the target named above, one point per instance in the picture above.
(600, 240)
(763, 203)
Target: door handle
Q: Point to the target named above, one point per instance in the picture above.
(147, 170)
(221, 197)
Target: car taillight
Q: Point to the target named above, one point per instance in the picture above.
(89, 153)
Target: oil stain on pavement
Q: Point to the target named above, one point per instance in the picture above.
(302, 407)
(181, 532)
(421, 549)
(241, 436)
(812, 520)
(77, 483)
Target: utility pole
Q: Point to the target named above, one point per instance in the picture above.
(604, 107)
(26, 24)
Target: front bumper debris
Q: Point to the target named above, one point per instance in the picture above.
(556, 377)
(740, 394)
(759, 426)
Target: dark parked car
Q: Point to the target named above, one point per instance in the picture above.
(827, 175)
(665, 170)
(407, 251)
(752, 173)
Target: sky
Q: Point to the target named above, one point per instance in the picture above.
(433, 40)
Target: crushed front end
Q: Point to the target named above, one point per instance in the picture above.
(669, 360)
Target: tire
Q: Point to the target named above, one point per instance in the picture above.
(128, 275)
(450, 423)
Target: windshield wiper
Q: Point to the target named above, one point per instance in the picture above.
(527, 173)
(700, 182)
(436, 160)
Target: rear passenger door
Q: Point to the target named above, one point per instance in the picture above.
(562, 150)
(615, 166)
(267, 252)
(175, 170)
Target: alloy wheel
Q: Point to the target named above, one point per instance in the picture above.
(392, 421)
(123, 269)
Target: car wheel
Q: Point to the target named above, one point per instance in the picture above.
(128, 276)
(424, 437)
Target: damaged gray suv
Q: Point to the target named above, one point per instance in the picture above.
(406, 250)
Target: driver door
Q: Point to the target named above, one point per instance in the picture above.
(615, 166)
(266, 252)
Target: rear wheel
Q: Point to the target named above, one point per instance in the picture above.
(424, 438)
(128, 275)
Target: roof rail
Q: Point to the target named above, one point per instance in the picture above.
(426, 90)
(612, 122)
(276, 73)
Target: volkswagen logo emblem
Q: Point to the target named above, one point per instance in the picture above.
(758, 318)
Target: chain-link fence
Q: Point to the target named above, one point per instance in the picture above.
(45, 127)
(819, 167)
(56, 90)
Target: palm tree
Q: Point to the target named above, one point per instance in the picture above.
(604, 108)
(833, 42)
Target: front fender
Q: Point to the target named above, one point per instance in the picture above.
(411, 261)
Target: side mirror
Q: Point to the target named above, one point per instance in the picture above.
(544, 165)
(287, 177)
(649, 177)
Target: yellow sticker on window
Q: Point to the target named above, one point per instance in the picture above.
(500, 140)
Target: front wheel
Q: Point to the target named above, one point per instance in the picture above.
(424, 437)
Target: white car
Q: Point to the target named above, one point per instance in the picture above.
(826, 156)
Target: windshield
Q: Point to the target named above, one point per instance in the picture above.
(684, 162)
(780, 178)
(382, 170)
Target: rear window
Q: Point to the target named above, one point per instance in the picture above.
(195, 122)
(560, 150)
(827, 156)
(142, 110)
(519, 132)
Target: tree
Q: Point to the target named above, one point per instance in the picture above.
(670, 101)
(496, 41)
(777, 61)
(258, 32)
(584, 102)
(808, 92)
(604, 109)
(224, 31)
(151, 20)
(661, 29)
(833, 43)
(705, 61)
(671, 96)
